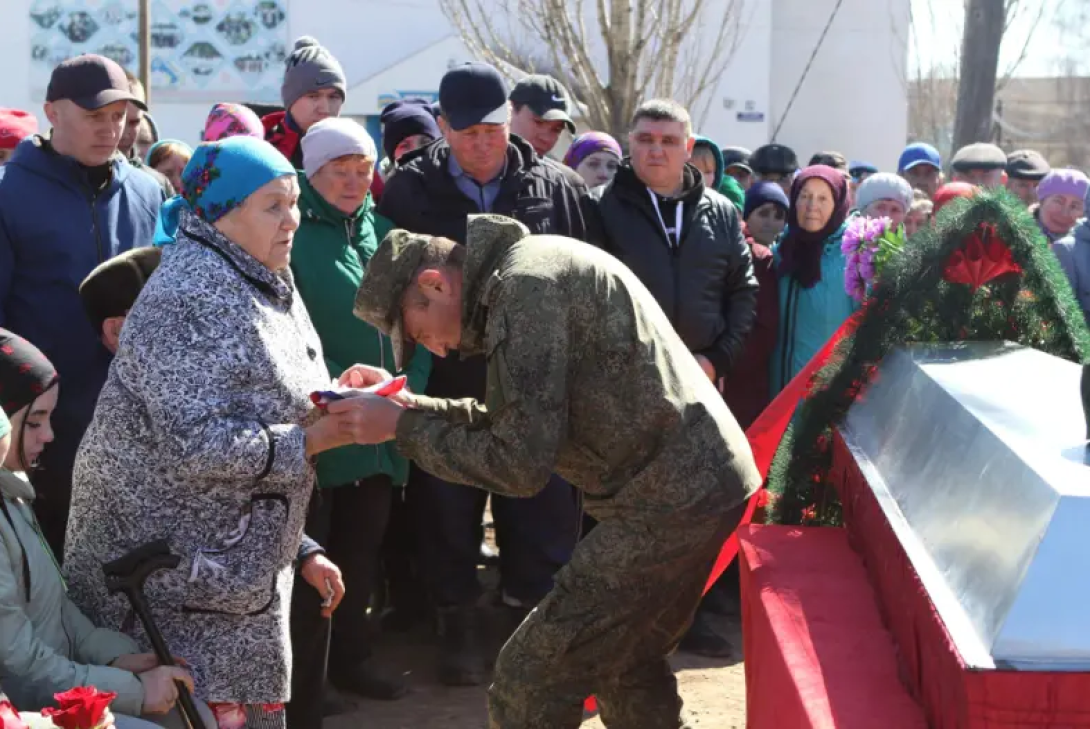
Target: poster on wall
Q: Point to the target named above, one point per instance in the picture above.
(201, 50)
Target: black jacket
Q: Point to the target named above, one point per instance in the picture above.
(423, 198)
(706, 284)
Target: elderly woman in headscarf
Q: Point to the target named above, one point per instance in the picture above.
(205, 435)
(596, 156)
(810, 267)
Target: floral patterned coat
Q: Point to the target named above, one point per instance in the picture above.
(198, 438)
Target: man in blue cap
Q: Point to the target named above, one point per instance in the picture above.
(481, 167)
(921, 165)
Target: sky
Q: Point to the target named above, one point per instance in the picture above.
(937, 29)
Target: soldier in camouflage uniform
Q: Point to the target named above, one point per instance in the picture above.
(585, 377)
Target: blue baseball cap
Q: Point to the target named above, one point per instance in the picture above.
(919, 154)
(858, 167)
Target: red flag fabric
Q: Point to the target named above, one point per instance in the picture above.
(764, 435)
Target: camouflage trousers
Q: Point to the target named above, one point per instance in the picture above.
(618, 609)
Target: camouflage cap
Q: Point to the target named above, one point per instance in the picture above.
(388, 275)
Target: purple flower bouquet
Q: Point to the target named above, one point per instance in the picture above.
(868, 244)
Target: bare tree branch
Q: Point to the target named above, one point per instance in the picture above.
(1029, 38)
(651, 47)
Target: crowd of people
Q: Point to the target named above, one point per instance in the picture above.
(168, 309)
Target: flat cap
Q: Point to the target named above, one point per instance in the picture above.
(1027, 164)
(736, 157)
(830, 159)
(774, 158)
(979, 156)
(112, 287)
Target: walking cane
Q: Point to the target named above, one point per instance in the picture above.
(127, 575)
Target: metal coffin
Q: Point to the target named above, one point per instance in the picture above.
(976, 453)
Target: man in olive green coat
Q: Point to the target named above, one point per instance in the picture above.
(586, 378)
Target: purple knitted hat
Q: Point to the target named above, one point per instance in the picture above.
(587, 144)
(1063, 182)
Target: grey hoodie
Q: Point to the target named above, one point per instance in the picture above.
(48, 645)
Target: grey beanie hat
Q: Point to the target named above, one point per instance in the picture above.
(311, 67)
(883, 186)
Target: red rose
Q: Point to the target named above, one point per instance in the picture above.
(81, 708)
(9, 717)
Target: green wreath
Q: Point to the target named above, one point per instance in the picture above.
(983, 272)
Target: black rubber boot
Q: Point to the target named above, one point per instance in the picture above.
(368, 681)
(461, 659)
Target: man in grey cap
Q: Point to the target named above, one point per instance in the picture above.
(314, 88)
(480, 167)
(736, 165)
(980, 164)
(585, 376)
(1025, 170)
(68, 202)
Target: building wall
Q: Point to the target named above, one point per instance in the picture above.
(854, 98)
(402, 47)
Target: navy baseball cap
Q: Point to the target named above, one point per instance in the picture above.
(474, 93)
(919, 153)
(91, 82)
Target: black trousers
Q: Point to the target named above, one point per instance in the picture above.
(536, 537)
(349, 522)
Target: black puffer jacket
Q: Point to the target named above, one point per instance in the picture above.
(423, 198)
(706, 284)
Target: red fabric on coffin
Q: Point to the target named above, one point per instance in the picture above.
(764, 436)
(817, 654)
(952, 694)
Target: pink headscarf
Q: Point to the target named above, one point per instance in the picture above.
(232, 120)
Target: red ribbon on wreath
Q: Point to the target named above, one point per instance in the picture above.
(983, 257)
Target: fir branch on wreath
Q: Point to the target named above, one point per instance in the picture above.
(913, 302)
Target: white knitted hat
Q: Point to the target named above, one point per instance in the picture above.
(883, 186)
(329, 139)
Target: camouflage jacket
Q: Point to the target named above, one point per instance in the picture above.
(586, 377)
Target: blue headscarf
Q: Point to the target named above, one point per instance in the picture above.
(219, 178)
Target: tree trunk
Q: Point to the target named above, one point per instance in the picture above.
(984, 24)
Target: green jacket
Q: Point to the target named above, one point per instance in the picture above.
(328, 258)
(49, 646)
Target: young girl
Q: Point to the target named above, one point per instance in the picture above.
(170, 157)
(47, 645)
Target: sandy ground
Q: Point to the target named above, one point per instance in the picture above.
(713, 691)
